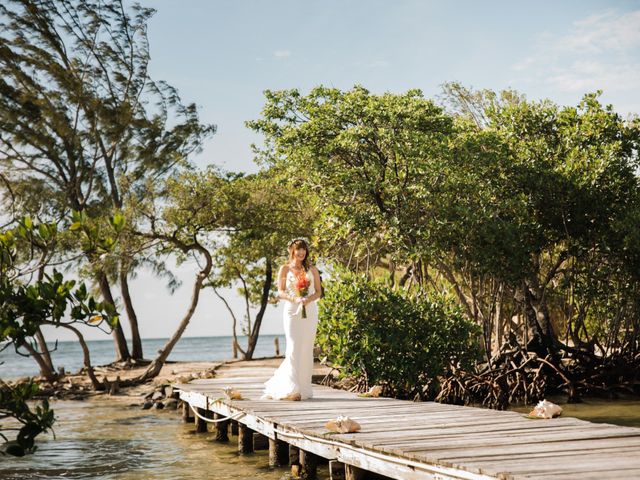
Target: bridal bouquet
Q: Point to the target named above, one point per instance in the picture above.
(302, 289)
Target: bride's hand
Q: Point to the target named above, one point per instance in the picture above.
(304, 301)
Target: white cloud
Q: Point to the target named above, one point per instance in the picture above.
(279, 54)
(586, 76)
(597, 52)
(604, 32)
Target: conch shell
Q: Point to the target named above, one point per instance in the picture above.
(374, 391)
(545, 409)
(232, 394)
(343, 425)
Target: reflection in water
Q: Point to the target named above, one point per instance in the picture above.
(111, 440)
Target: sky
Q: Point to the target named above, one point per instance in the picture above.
(223, 54)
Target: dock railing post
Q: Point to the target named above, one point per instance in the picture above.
(276, 342)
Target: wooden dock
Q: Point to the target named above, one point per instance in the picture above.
(407, 440)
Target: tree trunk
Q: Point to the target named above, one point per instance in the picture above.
(136, 341)
(44, 349)
(42, 343)
(97, 385)
(233, 326)
(154, 368)
(538, 320)
(47, 372)
(462, 298)
(264, 301)
(498, 322)
(122, 351)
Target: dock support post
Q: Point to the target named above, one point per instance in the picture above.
(208, 414)
(336, 470)
(234, 427)
(187, 417)
(309, 462)
(245, 439)
(260, 442)
(294, 461)
(354, 473)
(201, 425)
(278, 453)
(221, 428)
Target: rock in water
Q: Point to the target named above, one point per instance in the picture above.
(157, 395)
(147, 405)
(171, 404)
(168, 391)
(546, 409)
(13, 448)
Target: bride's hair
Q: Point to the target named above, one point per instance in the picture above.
(296, 244)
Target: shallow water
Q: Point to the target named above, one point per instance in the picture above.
(111, 440)
(624, 412)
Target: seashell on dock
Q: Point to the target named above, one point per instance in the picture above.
(374, 391)
(232, 394)
(546, 409)
(343, 425)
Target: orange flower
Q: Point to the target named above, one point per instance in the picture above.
(302, 285)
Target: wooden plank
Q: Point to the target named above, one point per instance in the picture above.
(597, 474)
(424, 440)
(464, 435)
(532, 467)
(406, 470)
(520, 454)
(491, 440)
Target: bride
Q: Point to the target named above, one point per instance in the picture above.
(299, 285)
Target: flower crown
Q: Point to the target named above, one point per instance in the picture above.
(298, 239)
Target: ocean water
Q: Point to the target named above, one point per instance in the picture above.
(112, 438)
(68, 354)
(107, 439)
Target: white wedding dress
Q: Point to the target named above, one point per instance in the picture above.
(293, 376)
